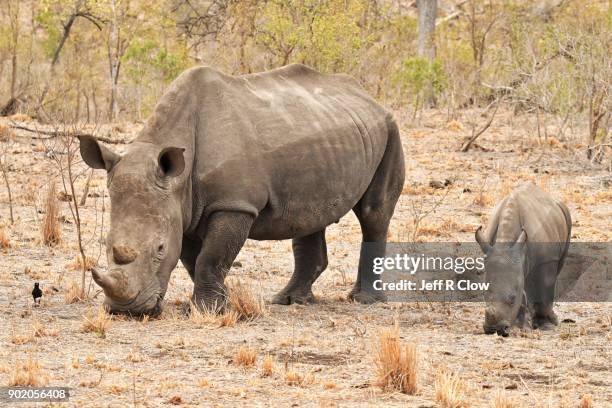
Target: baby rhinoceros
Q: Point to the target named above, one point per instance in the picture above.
(525, 244)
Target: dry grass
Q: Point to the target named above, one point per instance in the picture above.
(450, 390)
(77, 263)
(51, 231)
(395, 368)
(211, 315)
(27, 374)
(267, 366)
(245, 357)
(73, 293)
(97, 322)
(484, 199)
(6, 133)
(5, 243)
(501, 400)
(244, 302)
(586, 401)
(43, 330)
(19, 338)
(293, 378)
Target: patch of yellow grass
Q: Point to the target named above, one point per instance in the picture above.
(267, 366)
(244, 302)
(245, 357)
(203, 383)
(77, 263)
(330, 385)
(450, 390)
(51, 231)
(19, 338)
(501, 400)
(117, 389)
(212, 316)
(6, 133)
(27, 374)
(292, 378)
(73, 293)
(484, 199)
(41, 330)
(5, 243)
(586, 401)
(97, 323)
(295, 379)
(396, 368)
(454, 126)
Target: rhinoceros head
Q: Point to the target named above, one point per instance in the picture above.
(504, 264)
(144, 241)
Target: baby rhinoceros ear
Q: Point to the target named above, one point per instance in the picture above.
(96, 155)
(171, 161)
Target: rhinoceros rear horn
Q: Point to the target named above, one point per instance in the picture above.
(171, 161)
(97, 156)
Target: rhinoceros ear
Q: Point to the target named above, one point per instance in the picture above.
(171, 161)
(96, 155)
(484, 244)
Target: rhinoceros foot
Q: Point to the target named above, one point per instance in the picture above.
(289, 296)
(545, 322)
(366, 297)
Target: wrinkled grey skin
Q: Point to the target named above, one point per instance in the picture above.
(269, 156)
(525, 243)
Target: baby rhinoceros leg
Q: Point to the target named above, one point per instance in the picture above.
(310, 255)
(541, 286)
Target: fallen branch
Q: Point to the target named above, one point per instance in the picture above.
(475, 135)
(53, 133)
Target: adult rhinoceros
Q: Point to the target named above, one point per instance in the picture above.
(268, 156)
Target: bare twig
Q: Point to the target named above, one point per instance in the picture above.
(57, 133)
(8, 189)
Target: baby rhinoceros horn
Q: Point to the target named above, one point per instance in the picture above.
(123, 255)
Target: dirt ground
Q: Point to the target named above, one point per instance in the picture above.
(171, 360)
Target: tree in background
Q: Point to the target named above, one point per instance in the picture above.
(426, 46)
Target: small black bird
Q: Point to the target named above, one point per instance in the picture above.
(36, 294)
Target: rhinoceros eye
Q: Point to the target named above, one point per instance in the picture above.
(161, 247)
(511, 299)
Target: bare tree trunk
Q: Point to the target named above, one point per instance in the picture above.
(114, 61)
(426, 47)
(14, 23)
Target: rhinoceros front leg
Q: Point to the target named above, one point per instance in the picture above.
(542, 296)
(310, 254)
(224, 236)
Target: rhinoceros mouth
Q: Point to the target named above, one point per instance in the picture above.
(136, 308)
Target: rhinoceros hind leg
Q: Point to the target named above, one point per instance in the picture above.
(310, 255)
(374, 212)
